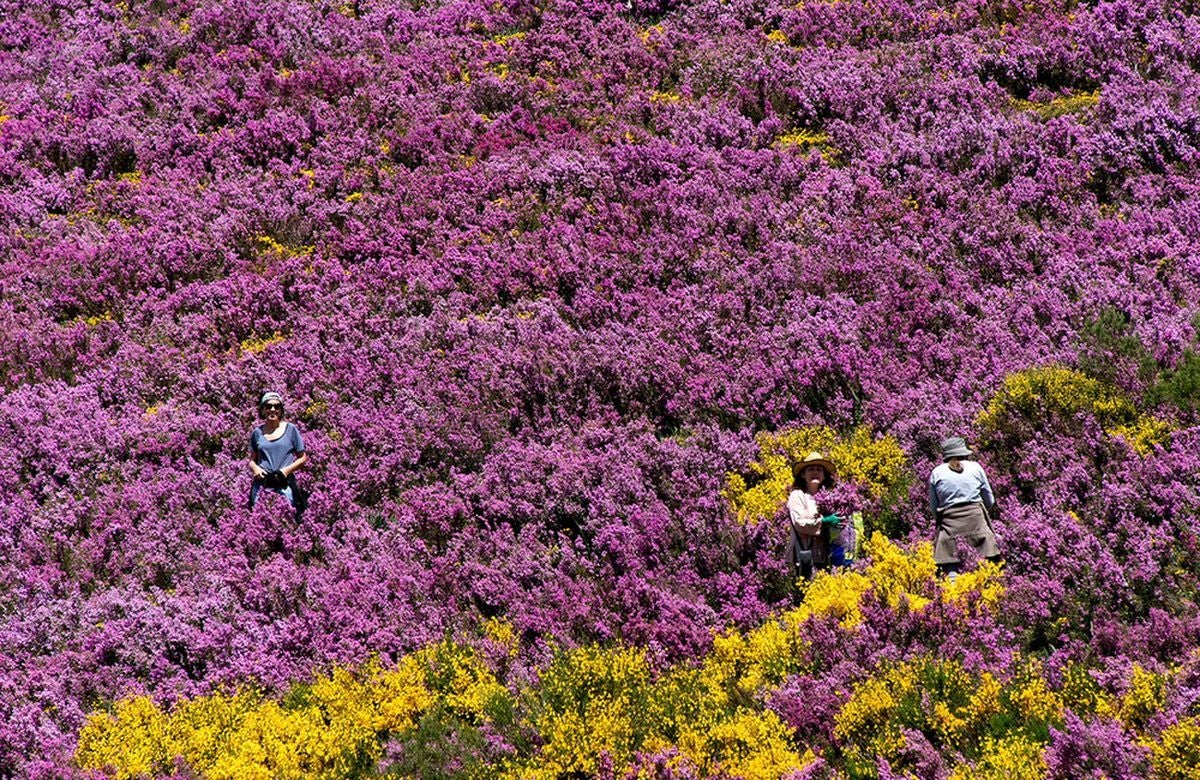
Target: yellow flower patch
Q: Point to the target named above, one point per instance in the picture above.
(1175, 755)
(245, 735)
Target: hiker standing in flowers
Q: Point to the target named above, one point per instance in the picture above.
(276, 452)
(811, 546)
(961, 499)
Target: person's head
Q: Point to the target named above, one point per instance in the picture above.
(954, 450)
(270, 406)
(813, 473)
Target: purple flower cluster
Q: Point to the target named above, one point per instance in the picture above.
(531, 277)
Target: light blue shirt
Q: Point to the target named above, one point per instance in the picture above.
(948, 487)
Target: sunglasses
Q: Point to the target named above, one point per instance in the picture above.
(273, 407)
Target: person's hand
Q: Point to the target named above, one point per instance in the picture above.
(831, 520)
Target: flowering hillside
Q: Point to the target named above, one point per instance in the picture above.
(557, 292)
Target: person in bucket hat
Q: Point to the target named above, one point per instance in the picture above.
(810, 545)
(276, 452)
(961, 499)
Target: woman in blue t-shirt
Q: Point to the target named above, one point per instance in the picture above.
(276, 452)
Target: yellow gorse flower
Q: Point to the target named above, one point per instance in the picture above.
(1144, 697)
(798, 137)
(984, 580)
(134, 741)
(597, 702)
(1144, 433)
(1010, 758)
(1082, 694)
(502, 633)
(752, 745)
(270, 247)
(1070, 104)
(1037, 395)
(594, 702)
(998, 725)
(322, 732)
(1175, 755)
(898, 578)
(1030, 695)
(255, 345)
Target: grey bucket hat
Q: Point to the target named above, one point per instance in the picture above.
(955, 447)
(270, 396)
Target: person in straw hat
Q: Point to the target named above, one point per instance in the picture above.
(961, 499)
(810, 545)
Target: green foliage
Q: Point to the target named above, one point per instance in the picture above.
(1180, 386)
(1109, 352)
(443, 746)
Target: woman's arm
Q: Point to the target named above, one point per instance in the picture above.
(258, 470)
(802, 511)
(985, 489)
(300, 460)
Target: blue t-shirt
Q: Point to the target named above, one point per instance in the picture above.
(274, 455)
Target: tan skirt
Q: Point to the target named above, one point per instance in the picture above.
(964, 521)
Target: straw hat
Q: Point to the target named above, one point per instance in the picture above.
(815, 458)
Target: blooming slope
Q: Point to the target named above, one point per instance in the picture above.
(557, 291)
